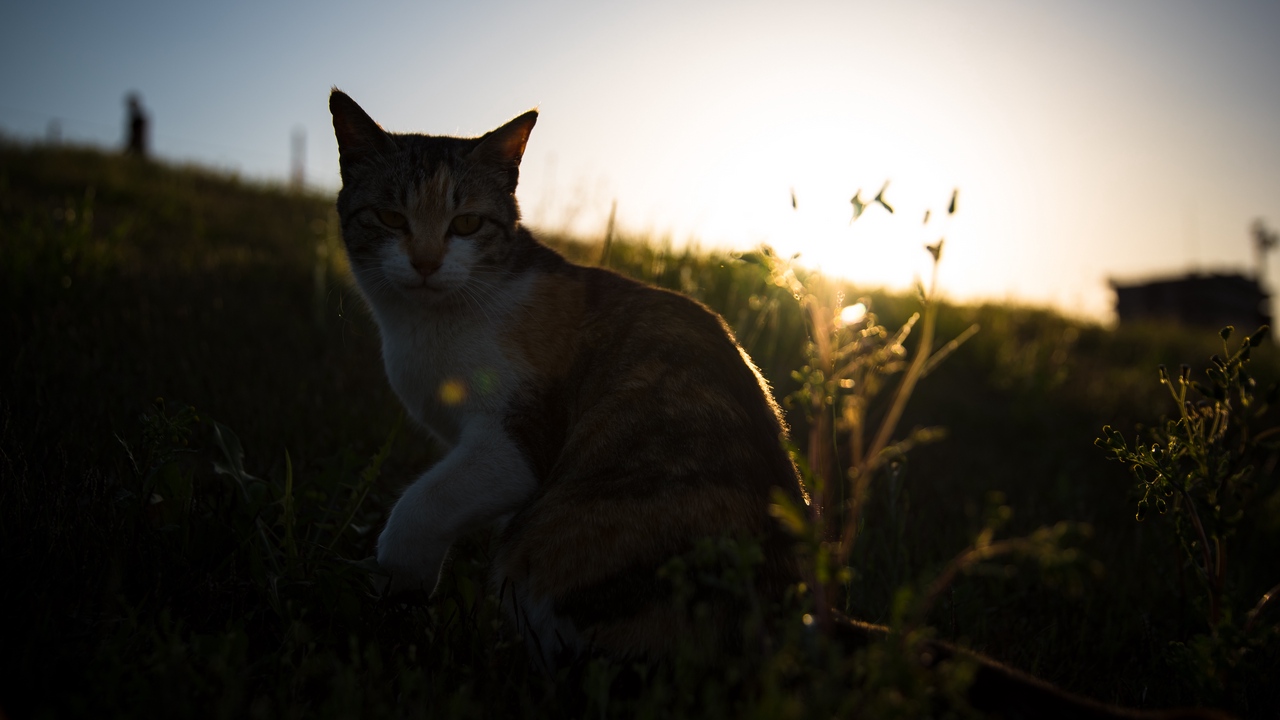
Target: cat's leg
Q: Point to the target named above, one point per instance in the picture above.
(482, 478)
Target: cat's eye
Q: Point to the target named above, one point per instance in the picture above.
(393, 219)
(464, 224)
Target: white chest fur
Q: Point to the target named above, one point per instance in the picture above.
(447, 363)
(449, 367)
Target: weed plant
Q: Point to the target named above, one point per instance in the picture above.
(1206, 468)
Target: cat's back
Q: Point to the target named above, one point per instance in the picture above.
(600, 344)
(648, 429)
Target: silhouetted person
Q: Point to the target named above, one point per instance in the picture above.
(137, 125)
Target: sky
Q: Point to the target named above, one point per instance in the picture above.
(1088, 140)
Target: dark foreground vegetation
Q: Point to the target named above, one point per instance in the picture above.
(197, 447)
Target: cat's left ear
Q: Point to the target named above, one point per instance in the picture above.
(358, 135)
(505, 145)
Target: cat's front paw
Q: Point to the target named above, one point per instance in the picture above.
(413, 561)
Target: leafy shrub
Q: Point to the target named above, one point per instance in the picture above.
(1205, 470)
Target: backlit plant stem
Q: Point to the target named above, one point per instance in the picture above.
(860, 474)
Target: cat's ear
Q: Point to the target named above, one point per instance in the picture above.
(358, 135)
(505, 145)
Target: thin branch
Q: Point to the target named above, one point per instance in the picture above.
(942, 353)
(1263, 602)
(962, 562)
(1209, 571)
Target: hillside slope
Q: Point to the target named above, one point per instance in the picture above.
(136, 577)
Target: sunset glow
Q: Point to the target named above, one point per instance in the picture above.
(1087, 141)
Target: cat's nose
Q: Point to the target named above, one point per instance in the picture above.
(425, 266)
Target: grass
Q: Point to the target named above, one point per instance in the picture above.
(207, 562)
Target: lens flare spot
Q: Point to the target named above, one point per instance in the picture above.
(853, 314)
(453, 392)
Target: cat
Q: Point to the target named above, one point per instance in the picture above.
(602, 426)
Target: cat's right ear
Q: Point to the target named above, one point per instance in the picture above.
(505, 146)
(358, 135)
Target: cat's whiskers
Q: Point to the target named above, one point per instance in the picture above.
(474, 298)
(474, 303)
(373, 280)
(368, 277)
(489, 288)
(492, 278)
(489, 294)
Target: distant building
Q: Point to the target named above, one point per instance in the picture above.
(1210, 300)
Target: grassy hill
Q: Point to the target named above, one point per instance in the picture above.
(197, 446)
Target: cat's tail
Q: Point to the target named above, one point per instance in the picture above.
(1009, 693)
